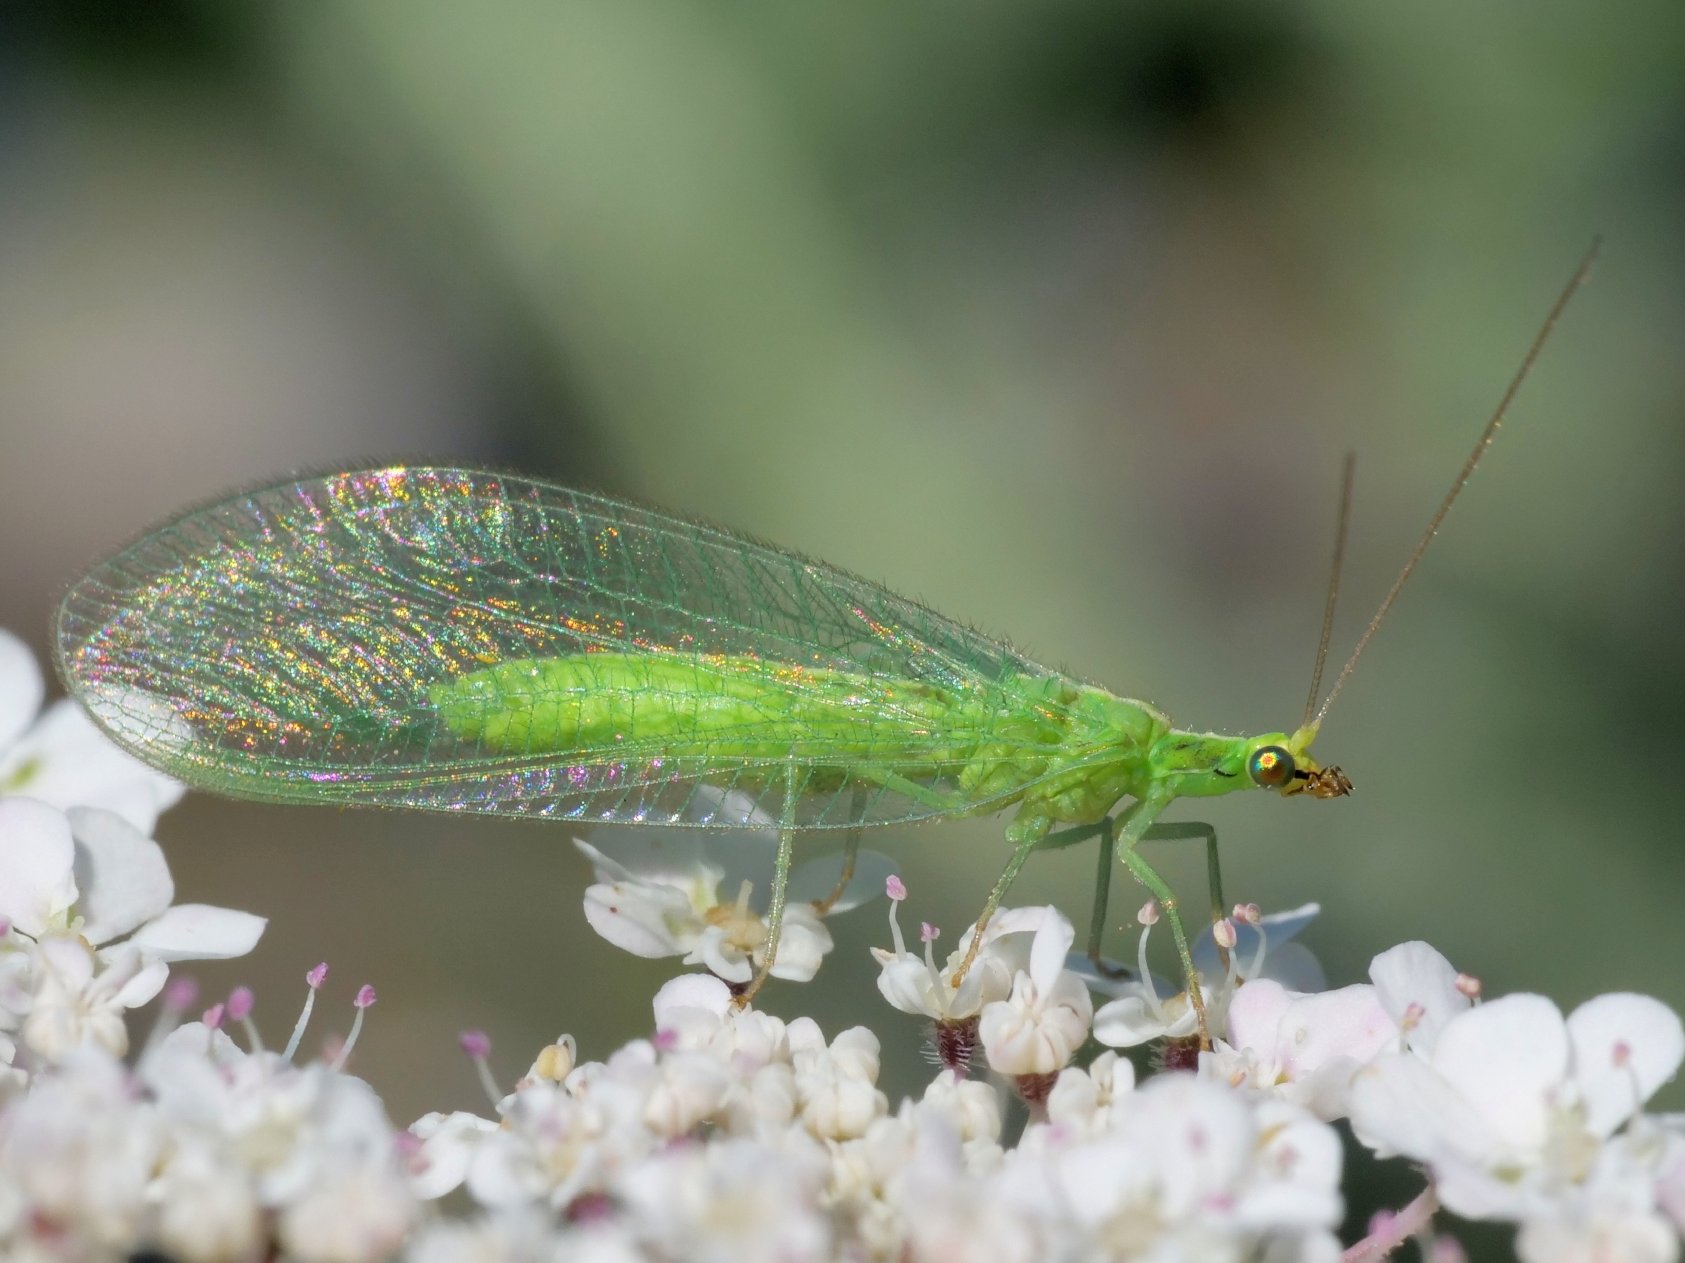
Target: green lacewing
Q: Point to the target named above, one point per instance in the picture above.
(467, 641)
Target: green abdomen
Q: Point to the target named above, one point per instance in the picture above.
(714, 706)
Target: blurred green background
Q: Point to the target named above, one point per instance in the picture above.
(1057, 316)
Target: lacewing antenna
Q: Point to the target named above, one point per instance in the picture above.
(1342, 527)
(1581, 273)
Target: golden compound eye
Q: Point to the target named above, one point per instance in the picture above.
(1270, 766)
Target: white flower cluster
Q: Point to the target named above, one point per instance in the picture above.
(729, 1134)
(732, 1135)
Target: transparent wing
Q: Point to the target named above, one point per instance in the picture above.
(287, 644)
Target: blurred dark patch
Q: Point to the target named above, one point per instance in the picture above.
(1372, 1186)
(1193, 74)
(206, 43)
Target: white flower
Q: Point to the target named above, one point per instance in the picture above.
(446, 1150)
(78, 1152)
(914, 984)
(547, 1151)
(1419, 989)
(354, 1212)
(1190, 1170)
(678, 892)
(292, 1130)
(1089, 1101)
(72, 883)
(732, 1201)
(836, 1085)
(1141, 1011)
(1304, 1048)
(1617, 1212)
(1513, 1108)
(695, 1011)
(521, 1236)
(969, 1107)
(1037, 1029)
(207, 1206)
(936, 1207)
(61, 757)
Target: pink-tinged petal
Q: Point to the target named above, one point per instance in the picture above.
(1401, 1106)
(1509, 1059)
(75, 764)
(638, 917)
(21, 691)
(120, 872)
(37, 860)
(1625, 1047)
(1255, 1014)
(197, 931)
(1415, 979)
(1318, 1029)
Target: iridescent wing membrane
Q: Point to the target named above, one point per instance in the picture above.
(288, 644)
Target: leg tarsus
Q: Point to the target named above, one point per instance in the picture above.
(780, 890)
(1160, 889)
(774, 919)
(1002, 883)
(1102, 894)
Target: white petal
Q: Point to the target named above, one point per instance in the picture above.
(905, 982)
(1625, 1047)
(1508, 1059)
(1415, 973)
(1128, 1021)
(146, 981)
(1400, 1105)
(37, 858)
(1630, 1234)
(75, 764)
(672, 856)
(802, 945)
(120, 872)
(197, 931)
(448, 1144)
(691, 991)
(640, 917)
(715, 952)
(21, 690)
(1048, 950)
